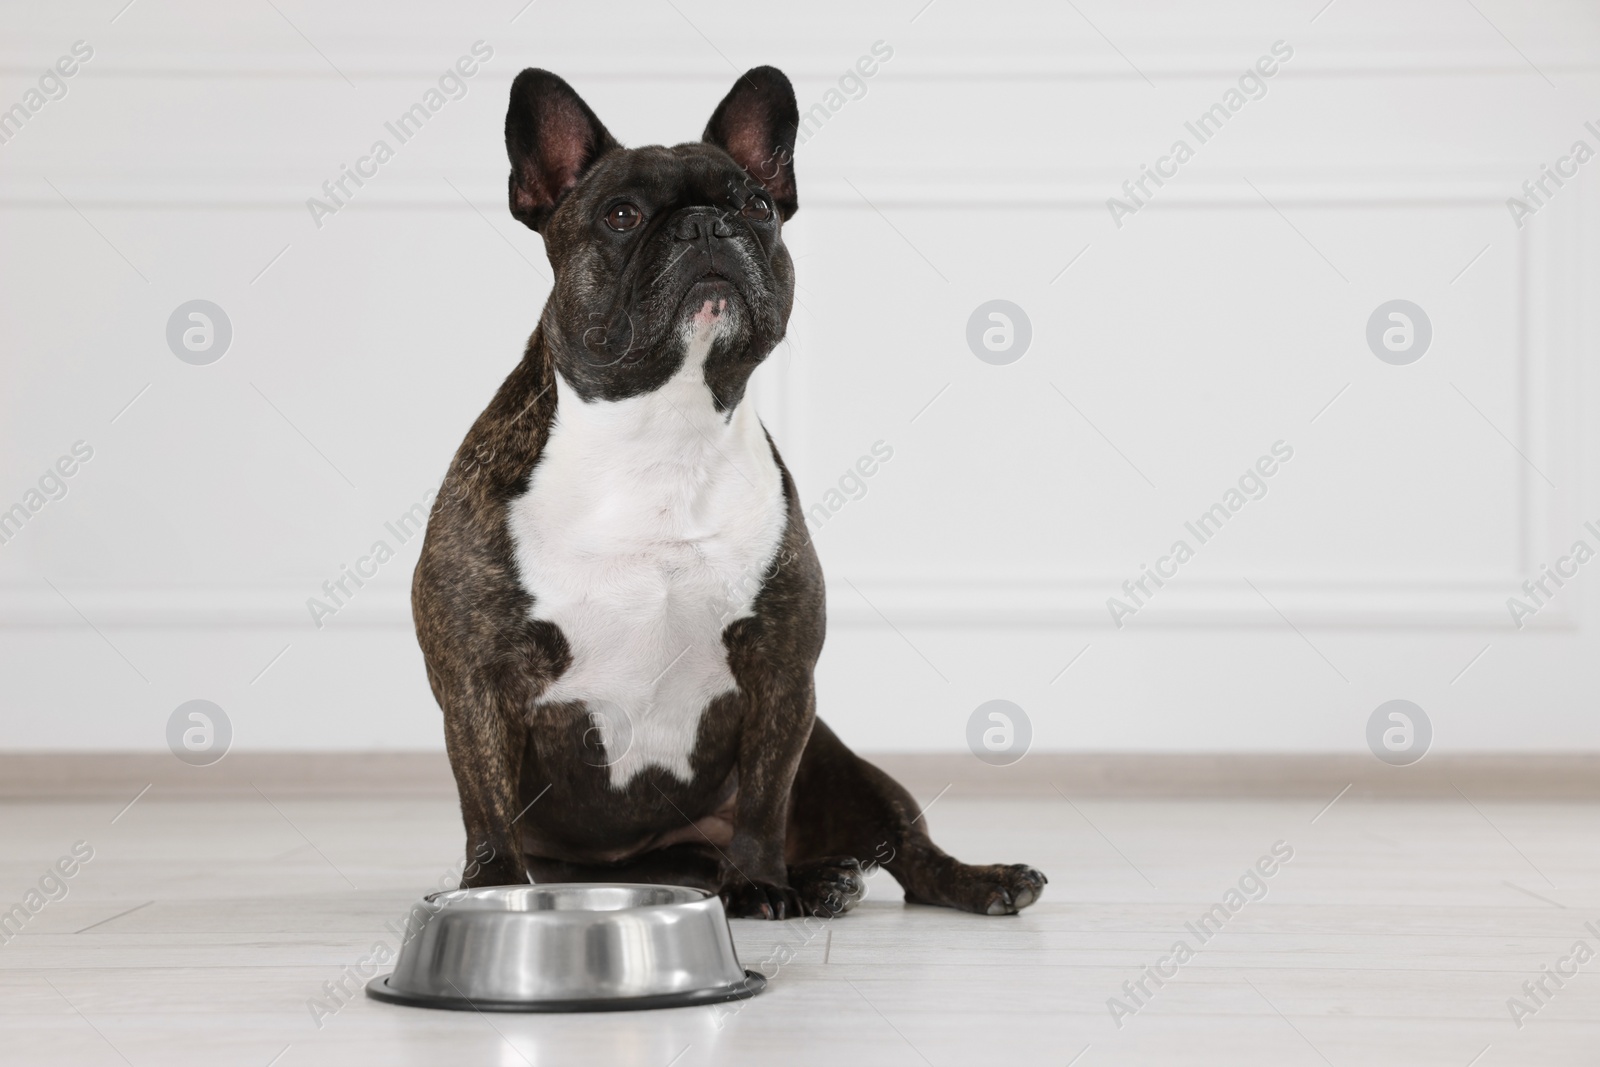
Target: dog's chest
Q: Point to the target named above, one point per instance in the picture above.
(647, 528)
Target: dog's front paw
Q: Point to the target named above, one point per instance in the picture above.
(829, 887)
(744, 899)
(502, 870)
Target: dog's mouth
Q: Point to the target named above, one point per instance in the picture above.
(713, 275)
(713, 286)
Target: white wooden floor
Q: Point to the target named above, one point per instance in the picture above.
(1395, 935)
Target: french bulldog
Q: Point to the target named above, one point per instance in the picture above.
(617, 600)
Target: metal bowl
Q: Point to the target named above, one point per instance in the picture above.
(568, 947)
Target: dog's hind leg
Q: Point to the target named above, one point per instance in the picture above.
(844, 806)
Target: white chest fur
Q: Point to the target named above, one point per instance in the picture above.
(644, 532)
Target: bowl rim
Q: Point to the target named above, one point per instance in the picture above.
(441, 905)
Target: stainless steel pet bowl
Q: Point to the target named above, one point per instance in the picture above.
(569, 947)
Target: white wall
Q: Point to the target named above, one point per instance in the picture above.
(1220, 318)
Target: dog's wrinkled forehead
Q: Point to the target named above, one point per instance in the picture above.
(665, 179)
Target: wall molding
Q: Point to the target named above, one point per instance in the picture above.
(948, 61)
(855, 603)
(824, 189)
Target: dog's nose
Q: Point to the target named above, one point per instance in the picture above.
(701, 224)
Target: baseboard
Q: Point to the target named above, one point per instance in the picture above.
(119, 776)
(112, 775)
(1127, 775)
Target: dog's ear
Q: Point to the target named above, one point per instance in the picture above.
(552, 138)
(756, 124)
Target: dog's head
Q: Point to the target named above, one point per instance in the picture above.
(657, 250)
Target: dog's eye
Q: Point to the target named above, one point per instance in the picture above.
(756, 208)
(624, 216)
